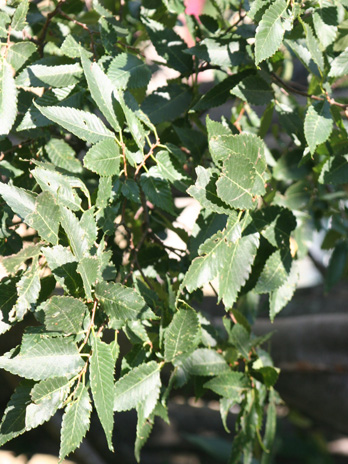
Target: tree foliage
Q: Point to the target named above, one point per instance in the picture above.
(92, 159)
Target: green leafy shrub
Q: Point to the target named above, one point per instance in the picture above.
(92, 161)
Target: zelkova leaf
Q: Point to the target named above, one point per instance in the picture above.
(282, 295)
(121, 303)
(86, 126)
(205, 362)
(75, 233)
(157, 191)
(102, 382)
(13, 421)
(28, 289)
(8, 292)
(75, 422)
(236, 268)
(228, 385)
(313, 47)
(40, 75)
(254, 90)
(8, 98)
(13, 263)
(318, 124)
(135, 386)
(19, 18)
(47, 397)
(270, 31)
(335, 170)
(181, 334)
(339, 66)
(49, 357)
(236, 181)
(45, 218)
(128, 71)
(104, 158)
(275, 272)
(19, 53)
(204, 191)
(63, 155)
(101, 90)
(64, 314)
(89, 268)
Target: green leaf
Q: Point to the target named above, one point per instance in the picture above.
(335, 171)
(248, 145)
(40, 75)
(101, 90)
(104, 158)
(157, 191)
(181, 334)
(236, 182)
(220, 92)
(13, 421)
(62, 155)
(337, 265)
(270, 429)
(270, 31)
(121, 303)
(133, 116)
(128, 71)
(167, 103)
(75, 422)
(18, 22)
(102, 382)
(300, 49)
(205, 362)
(75, 233)
(254, 90)
(84, 125)
(135, 386)
(89, 226)
(170, 169)
(318, 124)
(339, 66)
(229, 385)
(275, 272)
(325, 25)
(280, 297)
(240, 338)
(64, 314)
(313, 47)
(71, 48)
(218, 52)
(19, 53)
(49, 357)
(14, 262)
(63, 265)
(8, 291)
(169, 46)
(204, 191)
(8, 98)
(236, 267)
(28, 289)
(4, 20)
(89, 269)
(45, 218)
(59, 185)
(47, 397)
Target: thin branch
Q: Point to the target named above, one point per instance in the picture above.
(50, 16)
(292, 89)
(150, 153)
(84, 26)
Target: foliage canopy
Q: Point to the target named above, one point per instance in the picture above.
(93, 156)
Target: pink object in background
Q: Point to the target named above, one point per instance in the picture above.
(194, 7)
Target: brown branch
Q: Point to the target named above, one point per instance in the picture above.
(84, 26)
(150, 153)
(236, 122)
(8, 41)
(124, 160)
(292, 89)
(95, 304)
(50, 16)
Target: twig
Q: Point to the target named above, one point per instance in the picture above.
(84, 26)
(177, 251)
(150, 153)
(123, 145)
(42, 37)
(95, 304)
(236, 122)
(288, 87)
(8, 41)
(214, 290)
